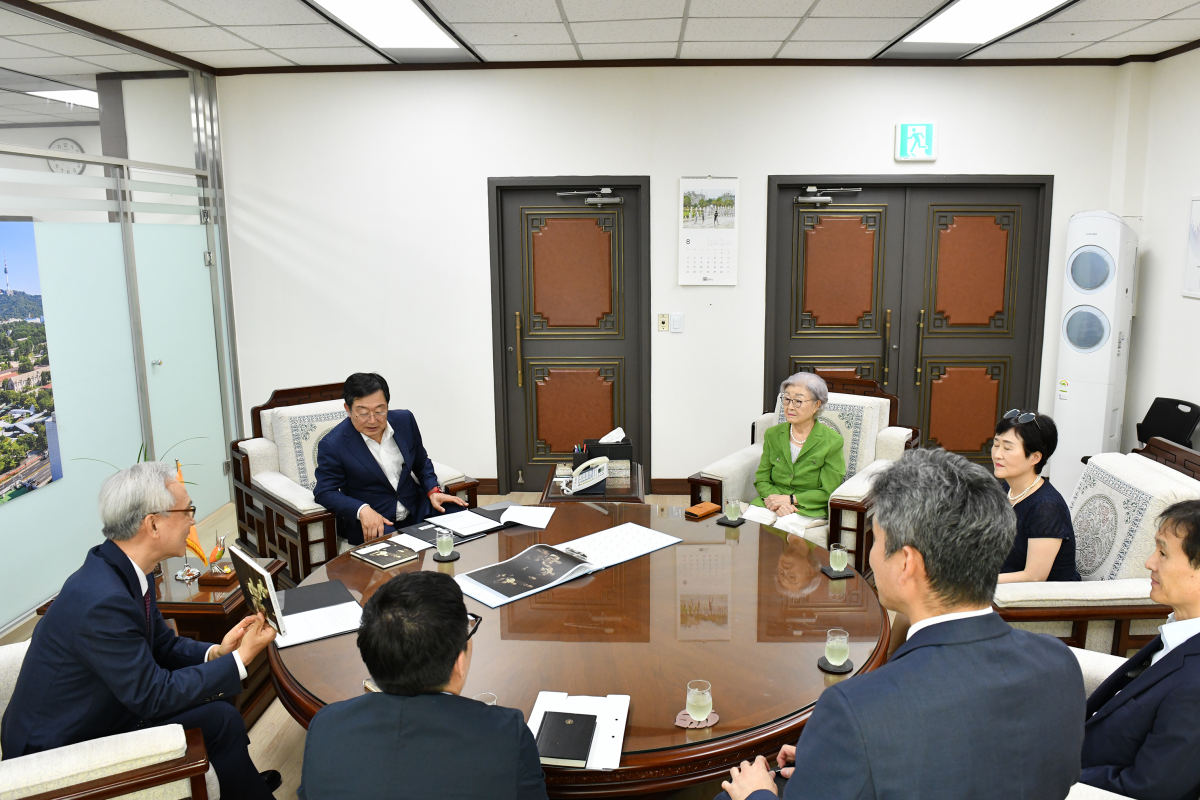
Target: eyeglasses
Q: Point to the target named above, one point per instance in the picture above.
(1022, 418)
(190, 511)
(366, 415)
(795, 401)
(473, 622)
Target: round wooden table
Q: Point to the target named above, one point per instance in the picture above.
(744, 608)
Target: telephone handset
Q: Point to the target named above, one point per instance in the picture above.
(589, 473)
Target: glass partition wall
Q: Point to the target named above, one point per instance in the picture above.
(115, 321)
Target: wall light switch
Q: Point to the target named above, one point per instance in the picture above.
(676, 323)
(662, 322)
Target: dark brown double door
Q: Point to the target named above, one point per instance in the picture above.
(570, 299)
(936, 290)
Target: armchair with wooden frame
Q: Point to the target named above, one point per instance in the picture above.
(273, 479)
(866, 416)
(1114, 510)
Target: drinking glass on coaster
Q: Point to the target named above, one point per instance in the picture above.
(839, 560)
(837, 653)
(733, 512)
(445, 547)
(699, 700)
(487, 698)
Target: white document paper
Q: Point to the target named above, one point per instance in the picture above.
(466, 523)
(308, 626)
(533, 516)
(611, 713)
(613, 436)
(616, 545)
(790, 523)
(759, 514)
(411, 542)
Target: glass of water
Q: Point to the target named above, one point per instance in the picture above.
(838, 557)
(699, 700)
(733, 509)
(837, 646)
(487, 698)
(445, 543)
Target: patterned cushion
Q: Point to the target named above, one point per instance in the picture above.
(267, 418)
(264, 455)
(287, 490)
(298, 429)
(890, 444)
(857, 420)
(1115, 510)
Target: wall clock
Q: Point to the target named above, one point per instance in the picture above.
(66, 167)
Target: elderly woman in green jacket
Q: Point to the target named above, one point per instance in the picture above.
(802, 460)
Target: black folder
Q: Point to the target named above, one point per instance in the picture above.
(314, 596)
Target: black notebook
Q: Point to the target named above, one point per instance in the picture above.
(384, 555)
(564, 740)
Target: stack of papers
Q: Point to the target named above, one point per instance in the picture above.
(790, 523)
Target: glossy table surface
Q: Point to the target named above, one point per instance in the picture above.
(746, 609)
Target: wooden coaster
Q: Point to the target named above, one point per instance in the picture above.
(837, 576)
(825, 666)
(684, 720)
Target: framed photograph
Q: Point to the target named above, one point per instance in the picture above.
(1191, 261)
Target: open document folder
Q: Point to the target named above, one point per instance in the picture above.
(544, 566)
(790, 523)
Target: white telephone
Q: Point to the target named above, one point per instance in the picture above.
(589, 473)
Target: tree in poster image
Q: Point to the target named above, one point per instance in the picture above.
(702, 211)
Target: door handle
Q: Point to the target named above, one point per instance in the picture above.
(887, 339)
(920, 337)
(520, 366)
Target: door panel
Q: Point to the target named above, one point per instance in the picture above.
(568, 300)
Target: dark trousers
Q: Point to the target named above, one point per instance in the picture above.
(225, 738)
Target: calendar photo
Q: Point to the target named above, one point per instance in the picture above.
(703, 207)
(708, 238)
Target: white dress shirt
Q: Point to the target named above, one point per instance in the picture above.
(1174, 634)
(925, 623)
(145, 585)
(387, 454)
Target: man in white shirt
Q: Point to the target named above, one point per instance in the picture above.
(967, 706)
(372, 468)
(103, 661)
(1142, 736)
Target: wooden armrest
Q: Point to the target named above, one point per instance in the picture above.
(193, 764)
(1071, 613)
(696, 480)
(468, 485)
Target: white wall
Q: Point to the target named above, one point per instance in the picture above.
(358, 211)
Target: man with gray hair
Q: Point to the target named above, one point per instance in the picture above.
(967, 707)
(103, 661)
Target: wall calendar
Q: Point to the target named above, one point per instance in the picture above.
(708, 231)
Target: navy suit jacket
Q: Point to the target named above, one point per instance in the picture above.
(348, 475)
(93, 668)
(1145, 741)
(965, 708)
(390, 747)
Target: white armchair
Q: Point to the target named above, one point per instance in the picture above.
(1115, 511)
(274, 477)
(865, 416)
(163, 763)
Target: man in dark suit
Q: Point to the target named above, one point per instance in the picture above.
(372, 469)
(967, 707)
(1142, 735)
(418, 738)
(103, 661)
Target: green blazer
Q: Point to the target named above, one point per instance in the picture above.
(817, 471)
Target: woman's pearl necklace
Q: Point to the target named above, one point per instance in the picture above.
(1012, 499)
(795, 441)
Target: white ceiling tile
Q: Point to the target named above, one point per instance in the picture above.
(48, 119)
(223, 59)
(1122, 49)
(875, 8)
(251, 12)
(294, 35)
(314, 56)
(528, 52)
(729, 49)
(121, 15)
(1191, 12)
(78, 114)
(639, 30)
(128, 63)
(1072, 31)
(598, 52)
(1027, 50)
(749, 8)
(87, 81)
(515, 34)
(1120, 9)
(12, 23)
(732, 29)
(14, 49)
(54, 65)
(831, 49)
(68, 44)
(844, 29)
(1163, 30)
(590, 10)
(206, 38)
(491, 11)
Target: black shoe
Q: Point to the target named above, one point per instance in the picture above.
(273, 778)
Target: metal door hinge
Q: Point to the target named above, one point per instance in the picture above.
(225, 467)
(208, 259)
(204, 217)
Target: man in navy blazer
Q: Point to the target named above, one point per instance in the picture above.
(372, 469)
(967, 707)
(418, 738)
(1142, 735)
(103, 661)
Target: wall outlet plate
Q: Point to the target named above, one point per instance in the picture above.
(676, 322)
(663, 322)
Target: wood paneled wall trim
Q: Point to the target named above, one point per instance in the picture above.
(657, 486)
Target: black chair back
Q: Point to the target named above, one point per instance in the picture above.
(1173, 420)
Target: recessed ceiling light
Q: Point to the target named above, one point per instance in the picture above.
(390, 24)
(75, 97)
(979, 21)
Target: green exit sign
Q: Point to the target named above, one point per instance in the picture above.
(916, 141)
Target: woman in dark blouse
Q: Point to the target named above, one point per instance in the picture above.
(1044, 549)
